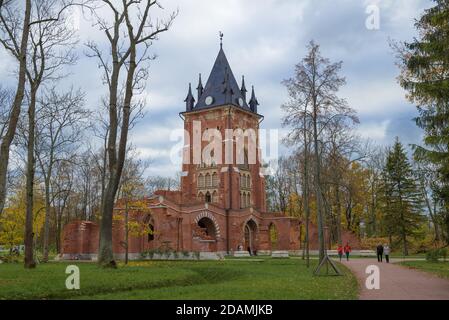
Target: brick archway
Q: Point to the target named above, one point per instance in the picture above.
(251, 235)
(207, 214)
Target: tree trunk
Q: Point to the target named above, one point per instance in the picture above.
(47, 217)
(30, 168)
(116, 159)
(126, 231)
(306, 196)
(318, 186)
(16, 107)
(338, 215)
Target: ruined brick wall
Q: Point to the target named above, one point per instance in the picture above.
(80, 237)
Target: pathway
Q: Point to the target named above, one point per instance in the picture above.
(398, 282)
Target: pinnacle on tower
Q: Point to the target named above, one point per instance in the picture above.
(190, 100)
(253, 103)
(243, 90)
(200, 88)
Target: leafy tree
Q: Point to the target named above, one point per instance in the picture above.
(402, 213)
(12, 221)
(425, 75)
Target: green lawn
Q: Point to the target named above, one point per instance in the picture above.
(228, 279)
(439, 268)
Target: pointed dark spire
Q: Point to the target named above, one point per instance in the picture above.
(221, 87)
(243, 90)
(190, 100)
(253, 103)
(200, 88)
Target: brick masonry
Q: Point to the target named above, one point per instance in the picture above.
(187, 220)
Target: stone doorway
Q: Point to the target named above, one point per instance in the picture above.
(250, 237)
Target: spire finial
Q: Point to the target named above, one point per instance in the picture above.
(221, 39)
(253, 103)
(200, 88)
(190, 100)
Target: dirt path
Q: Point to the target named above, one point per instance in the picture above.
(399, 283)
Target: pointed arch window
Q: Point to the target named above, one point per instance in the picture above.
(215, 179)
(201, 181)
(208, 180)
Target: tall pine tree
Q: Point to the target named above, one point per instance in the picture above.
(425, 75)
(403, 200)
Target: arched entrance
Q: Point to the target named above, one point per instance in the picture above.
(206, 229)
(250, 237)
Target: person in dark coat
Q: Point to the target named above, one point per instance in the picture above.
(380, 252)
(347, 249)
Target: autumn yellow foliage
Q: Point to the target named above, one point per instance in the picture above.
(12, 221)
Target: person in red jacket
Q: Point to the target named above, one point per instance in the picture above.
(347, 250)
(340, 251)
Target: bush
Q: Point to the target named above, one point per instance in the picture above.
(435, 254)
(10, 258)
(196, 255)
(443, 254)
(186, 254)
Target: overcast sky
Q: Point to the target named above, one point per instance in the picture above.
(264, 39)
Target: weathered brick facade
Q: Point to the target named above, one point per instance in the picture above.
(221, 205)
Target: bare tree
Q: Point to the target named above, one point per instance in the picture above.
(124, 38)
(6, 98)
(61, 121)
(15, 23)
(313, 97)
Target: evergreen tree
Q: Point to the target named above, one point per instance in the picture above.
(403, 200)
(425, 75)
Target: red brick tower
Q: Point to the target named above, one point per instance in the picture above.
(232, 181)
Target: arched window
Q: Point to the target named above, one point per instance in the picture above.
(150, 232)
(248, 200)
(215, 197)
(208, 197)
(201, 181)
(201, 196)
(208, 180)
(242, 200)
(248, 181)
(215, 179)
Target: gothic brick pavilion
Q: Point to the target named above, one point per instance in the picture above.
(219, 207)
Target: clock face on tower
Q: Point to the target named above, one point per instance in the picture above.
(209, 100)
(241, 102)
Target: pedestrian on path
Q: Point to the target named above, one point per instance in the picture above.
(347, 250)
(380, 252)
(387, 253)
(340, 251)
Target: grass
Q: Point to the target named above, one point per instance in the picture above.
(270, 279)
(440, 269)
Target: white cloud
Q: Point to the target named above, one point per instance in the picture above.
(374, 130)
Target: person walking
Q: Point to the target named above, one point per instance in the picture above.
(340, 251)
(380, 252)
(347, 250)
(387, 253)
